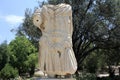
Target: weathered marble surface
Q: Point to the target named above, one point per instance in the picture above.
(56, 55)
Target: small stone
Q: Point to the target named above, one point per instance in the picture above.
(39, 74)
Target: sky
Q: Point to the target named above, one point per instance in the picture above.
(12, 15)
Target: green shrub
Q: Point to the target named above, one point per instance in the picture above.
(86, 76)
(8, 72)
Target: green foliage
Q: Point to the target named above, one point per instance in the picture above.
(31, 58)
(4, 55)
(94, 62)
(8, 72)
(107, 8)
(86, 76)
(31, 62)
(28, 29)
(91, 63)
(23, 54)
(112, 56)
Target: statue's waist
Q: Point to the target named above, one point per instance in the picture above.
(62, 41)
(57, 35)
(56, 38)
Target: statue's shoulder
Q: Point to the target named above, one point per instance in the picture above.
(58, 5)
(66, 5)
(62, 8)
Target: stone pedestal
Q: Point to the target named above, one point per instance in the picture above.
(53, 79)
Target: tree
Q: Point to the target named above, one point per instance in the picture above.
(96, 25)
(28, 29)
(22, 50)
(8, 72)
(91, 63)
(112, 58)
(31, 62)
(4, 54)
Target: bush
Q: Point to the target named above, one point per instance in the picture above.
(8, 72)
(86, 76)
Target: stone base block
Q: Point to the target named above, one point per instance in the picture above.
(53, 79)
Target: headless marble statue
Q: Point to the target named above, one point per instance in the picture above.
(56, 55)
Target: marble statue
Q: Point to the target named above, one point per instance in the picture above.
(56, 56)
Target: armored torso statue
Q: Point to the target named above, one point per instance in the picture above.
(56, 55)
